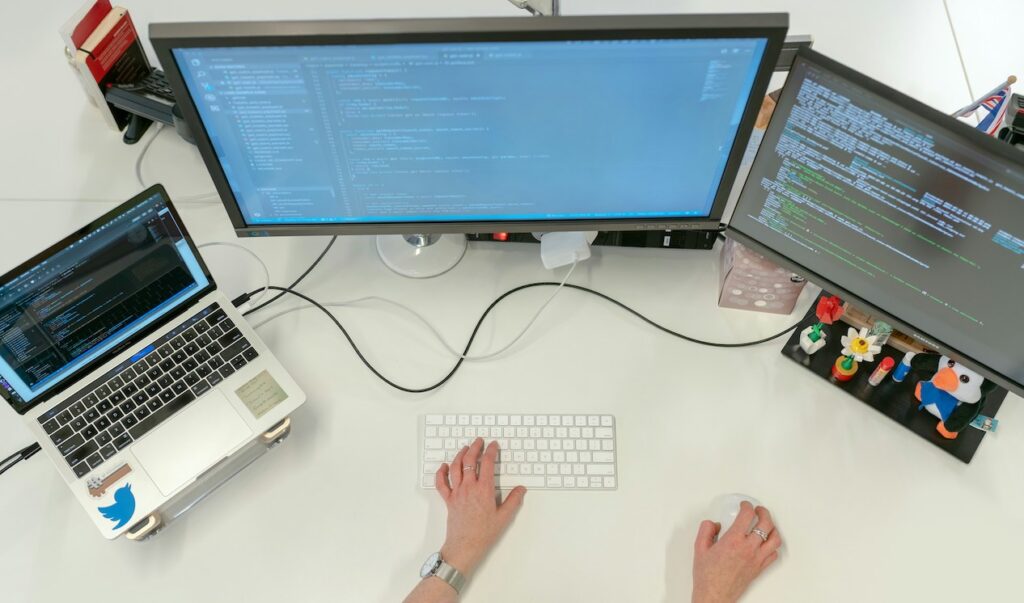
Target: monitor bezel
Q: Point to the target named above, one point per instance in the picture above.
(74, 378)
(770, 26)
(967, 134)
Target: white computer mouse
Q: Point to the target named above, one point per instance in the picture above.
(726, 507)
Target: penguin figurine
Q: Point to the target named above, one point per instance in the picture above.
(955, 394)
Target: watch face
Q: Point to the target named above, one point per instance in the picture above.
(431, 565)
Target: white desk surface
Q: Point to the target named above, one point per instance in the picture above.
(868, 510)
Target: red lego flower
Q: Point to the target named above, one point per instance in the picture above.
(829, 309)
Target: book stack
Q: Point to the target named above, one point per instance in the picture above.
(104, 49)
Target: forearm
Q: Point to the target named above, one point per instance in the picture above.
(432, 590)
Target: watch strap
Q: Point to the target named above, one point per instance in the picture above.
(452, 576)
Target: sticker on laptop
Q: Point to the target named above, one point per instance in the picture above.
(261, 394)
(98, 485)
(123, 508)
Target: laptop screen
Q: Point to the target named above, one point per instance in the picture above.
(76, 302)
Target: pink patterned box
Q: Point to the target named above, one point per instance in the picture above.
(748, 281)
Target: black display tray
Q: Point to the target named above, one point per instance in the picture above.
(894, 400)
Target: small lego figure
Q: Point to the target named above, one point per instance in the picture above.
(828, 311)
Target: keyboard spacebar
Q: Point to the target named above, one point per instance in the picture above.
(507, 482)
(164, 412)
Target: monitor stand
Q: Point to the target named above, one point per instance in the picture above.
(421, 255)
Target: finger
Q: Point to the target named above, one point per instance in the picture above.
(507, 510)
(770, 559)
(456, 467)
(470, 460)
(764, 523)
(441, 482)
(487, 463)
(706, 536)
(741, 526)
(771, 545)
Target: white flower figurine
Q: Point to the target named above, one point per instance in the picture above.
(860, 345)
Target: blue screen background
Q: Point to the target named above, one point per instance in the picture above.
(473, 131)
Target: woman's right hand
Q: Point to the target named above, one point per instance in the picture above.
(723, 570)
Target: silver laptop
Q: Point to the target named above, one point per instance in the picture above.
(133, 371)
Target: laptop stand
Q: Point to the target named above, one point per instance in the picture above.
(156, 521)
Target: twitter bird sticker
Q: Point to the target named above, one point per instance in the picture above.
(123, 508)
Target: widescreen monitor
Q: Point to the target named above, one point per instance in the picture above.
(898, 208)
(472, 125)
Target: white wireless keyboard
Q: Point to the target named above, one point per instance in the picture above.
(543, 452)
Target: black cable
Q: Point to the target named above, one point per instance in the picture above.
(493, 304)
(297, 281)
(22, 455)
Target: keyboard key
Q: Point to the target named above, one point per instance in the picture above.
(166, 350)
(91, 415)
(178, 357)
(116, 429)
(177, 373)
(214, 378)
(226, 324)
(191, 349)
(167, 395)
(140, 398)
(61, 435)
(250, 354)
(201, 356)
(129, 390)
(101, 423)
(168, 364)
(81, 453)
(190, 365)
(103, 391)
(153, 389)
(90, 400)
(142, 413)
(191, 379)
(227, 370)
(214, 349)
(204, 370)
(216, 362)
(202, 326)
(115, 415)
(216, 317)
(77, 408)
(78, 424)
(178, 342)
(154, 404)
(127, 407)
(89, 432)
(104, 406)
(108, 451)
(214, 333)
(129, 421)
(154, 373)
(116, 398)
(81, 469)
(238, 362)
(179, 387)
(165, 381)
(142, 382)
(233, 350)
(159, 416)
(201, 388)
(95, 460)
(104, 438)
(115, 384)
(127, 374)
(229, 338)
(51, 426)
(189, 335)
(122, 440)
(65, 417)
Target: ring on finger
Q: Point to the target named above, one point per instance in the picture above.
(761, 533)
(468, 468)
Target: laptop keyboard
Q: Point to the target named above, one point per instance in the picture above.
(133, 398)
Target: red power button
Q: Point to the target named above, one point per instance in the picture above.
(501, 236)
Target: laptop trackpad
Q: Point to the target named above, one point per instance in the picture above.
(191, 442)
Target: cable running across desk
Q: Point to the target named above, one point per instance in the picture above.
(491, 307)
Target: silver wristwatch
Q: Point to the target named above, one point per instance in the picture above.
(436, 566)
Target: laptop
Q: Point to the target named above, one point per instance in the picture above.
(134, 373)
